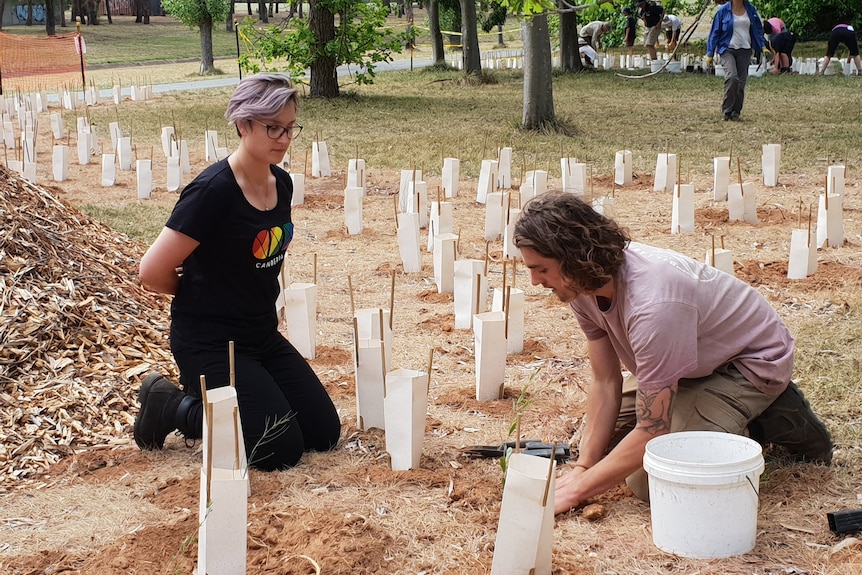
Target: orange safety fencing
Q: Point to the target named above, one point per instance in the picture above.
(34, 63)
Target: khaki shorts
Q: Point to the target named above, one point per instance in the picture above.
(723, 401)
(651, 35)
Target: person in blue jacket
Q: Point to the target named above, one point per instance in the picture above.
(736, 34)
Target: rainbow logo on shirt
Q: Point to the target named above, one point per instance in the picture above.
(269, 242)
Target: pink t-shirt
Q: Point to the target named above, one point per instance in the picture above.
(777, 25)
(673, 318)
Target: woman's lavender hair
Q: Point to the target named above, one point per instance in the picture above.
(260, 97)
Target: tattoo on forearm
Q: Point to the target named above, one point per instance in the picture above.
(654, 409)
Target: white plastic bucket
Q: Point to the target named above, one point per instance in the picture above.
(674, 67)
(703, 488)
(655, 65)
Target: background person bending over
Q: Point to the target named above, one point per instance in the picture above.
(705, 350)
(672, 27)
(588, 55)
(736, 33)
(773, 26)
(592, 33)
(219, 255)
(782, 45)
(843, 34)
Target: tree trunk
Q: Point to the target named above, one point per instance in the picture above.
(538, 84)
(261, 12)
(207, 61)
(50, 18)
(2, 9)
(93, 12)
(29, 13)
(108, 11)
(439, 56)
(228, 23)
(570, 57)
(324, 78)
(408, 10)
(470, 37)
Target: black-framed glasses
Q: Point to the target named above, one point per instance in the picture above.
(275, 132)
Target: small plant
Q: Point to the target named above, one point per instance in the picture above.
(519, 407)
(270, 432)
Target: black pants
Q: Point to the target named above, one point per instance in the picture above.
(284, 409)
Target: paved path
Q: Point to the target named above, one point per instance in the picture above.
(208, 83)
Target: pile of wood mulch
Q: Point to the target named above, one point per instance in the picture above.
(76, 331)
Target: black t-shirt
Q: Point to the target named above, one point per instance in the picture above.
(652, 15)
(229, 283)
(631, 27)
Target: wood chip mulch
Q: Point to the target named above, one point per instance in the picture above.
(77, 330)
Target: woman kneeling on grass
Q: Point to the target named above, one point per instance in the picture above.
(219, 255)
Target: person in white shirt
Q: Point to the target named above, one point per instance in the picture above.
(672, 27)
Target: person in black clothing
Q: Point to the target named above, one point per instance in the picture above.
(220, 254)
(630, 31)
(782, 45)
(652, 15)
(843, 33)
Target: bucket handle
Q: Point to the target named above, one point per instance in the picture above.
(756, 493)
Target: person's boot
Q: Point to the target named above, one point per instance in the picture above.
(791, 424)
(159, 399)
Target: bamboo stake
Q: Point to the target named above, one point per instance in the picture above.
(430, 363)
(712, 259)
(395, 205)
(350, 289)
(356, 339)
(550, 476)
(518, 434)
(231, 362)
(392, 301)
(382, 343)
(314, 264)
(209, 453)
(508, 294)
(514, 264)
(504, 276)
(236, 464)
(478, 291)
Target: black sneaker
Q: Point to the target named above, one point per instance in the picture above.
(791, 424)
(159, 399)
(726, 117)
(734, 116)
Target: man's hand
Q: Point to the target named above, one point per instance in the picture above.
(709, 61)
(566, 486)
